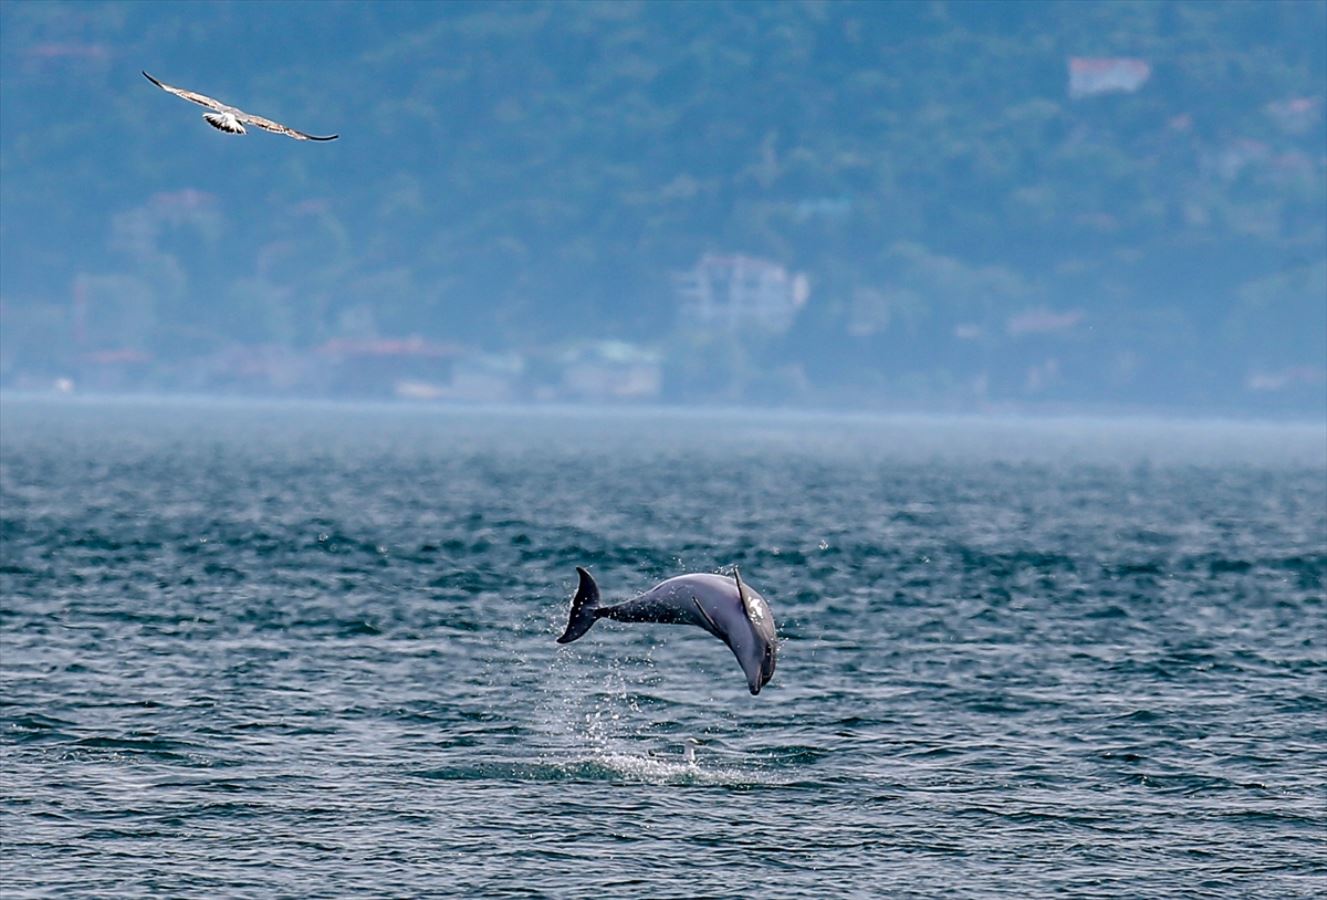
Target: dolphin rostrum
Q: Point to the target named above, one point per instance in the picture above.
(725, 607)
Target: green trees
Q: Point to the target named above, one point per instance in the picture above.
(519, 174)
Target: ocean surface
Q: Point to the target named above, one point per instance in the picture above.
(266, 650)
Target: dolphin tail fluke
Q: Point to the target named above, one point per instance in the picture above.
(584, 608)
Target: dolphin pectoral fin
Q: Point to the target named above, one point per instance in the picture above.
(711, 625)
(584, 608)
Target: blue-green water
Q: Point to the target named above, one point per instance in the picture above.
(266, 650)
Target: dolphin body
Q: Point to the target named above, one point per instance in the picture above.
(725, 607)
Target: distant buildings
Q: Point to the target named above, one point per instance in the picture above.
(1089, 76)
(611, 370)
(1287, 378)
(1296, 115)
(1228, 160)
(380, 365)
(732, 293)
(1043, 321)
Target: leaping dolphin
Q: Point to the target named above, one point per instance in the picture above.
(725, 607)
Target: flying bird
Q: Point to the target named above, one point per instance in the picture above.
(231, 120)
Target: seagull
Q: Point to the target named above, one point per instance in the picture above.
(231, 120)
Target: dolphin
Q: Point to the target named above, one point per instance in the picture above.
(725, 607)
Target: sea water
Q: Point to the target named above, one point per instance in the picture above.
(256, 650)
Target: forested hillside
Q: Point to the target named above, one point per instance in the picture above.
(517, 187)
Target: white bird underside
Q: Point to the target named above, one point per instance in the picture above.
(224, 122)
(232, 120)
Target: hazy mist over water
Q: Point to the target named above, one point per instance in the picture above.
(260, 648)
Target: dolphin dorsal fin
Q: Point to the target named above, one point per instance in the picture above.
(749, 605)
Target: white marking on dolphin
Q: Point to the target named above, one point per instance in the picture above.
(725, 607)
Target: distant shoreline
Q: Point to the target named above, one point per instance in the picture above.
(1008, 414)
(957, 432)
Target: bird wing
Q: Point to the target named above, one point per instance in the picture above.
(200, 99)
(278, 128)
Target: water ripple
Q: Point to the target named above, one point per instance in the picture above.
(312, 653)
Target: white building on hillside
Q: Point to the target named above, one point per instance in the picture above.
(729, 293)
(1091, 76)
